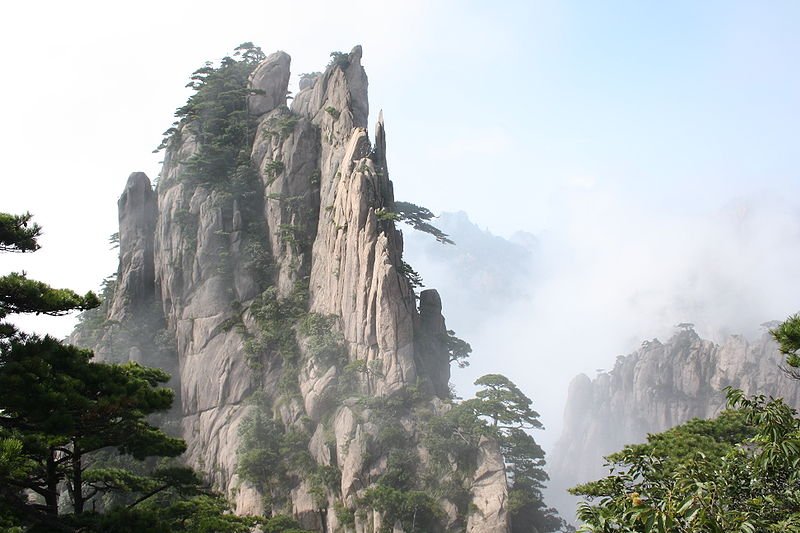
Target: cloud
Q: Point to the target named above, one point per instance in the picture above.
(612, 271)
(582, 182)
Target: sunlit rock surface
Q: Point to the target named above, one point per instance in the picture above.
(188, 265)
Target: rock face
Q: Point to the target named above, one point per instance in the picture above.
(289, 298)
(653, 389)
(137, 220)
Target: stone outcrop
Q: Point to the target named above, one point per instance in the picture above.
(653, 389)
(271, 78)
(491, 506)
(220, 275)
(137, 220)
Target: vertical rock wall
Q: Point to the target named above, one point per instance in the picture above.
(199, 262)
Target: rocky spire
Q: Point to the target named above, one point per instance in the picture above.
(136, 272)
(284, 293)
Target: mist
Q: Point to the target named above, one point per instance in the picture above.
(609, 272)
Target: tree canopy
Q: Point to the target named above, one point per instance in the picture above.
(504, 404)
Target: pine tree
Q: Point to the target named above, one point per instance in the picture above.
(510, 415)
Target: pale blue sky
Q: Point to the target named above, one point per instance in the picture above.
(650, 145)
(687, 102)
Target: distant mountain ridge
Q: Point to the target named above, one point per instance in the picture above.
(653, 389)
(483, 273)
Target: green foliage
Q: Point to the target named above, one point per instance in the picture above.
(416, 510)
(65, 407)
(674, 447)
(64, 415)
(203, 514)
(216, 115)
(402, 492)
(282, 125)
(323, 341)
(19, 294)
(504, 404)
(500, 411)
(413, 277)
(275, 319)
(345, 515)
(525, 463)
(458, 349)
(172, 512)
(788, 337)
(333, 112)
(273, 168)
(418, 218)
(339, 59)
(415, 216)
(259, 459)
(282, 524)
(742, 476)
(293, 236)
(509, 413)
(384, 215)
(310, 76)
(269, 456)
(737, 472)
(452, 438)
(218, 108)
(249, 53)
(18, 234)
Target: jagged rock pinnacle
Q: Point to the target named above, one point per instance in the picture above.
(280, 288)
(271, 77)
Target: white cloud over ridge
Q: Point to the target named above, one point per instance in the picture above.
(614, 271)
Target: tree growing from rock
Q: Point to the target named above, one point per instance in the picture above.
(510, 415)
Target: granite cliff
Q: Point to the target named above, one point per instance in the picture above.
(653, 389)
(269, 281)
